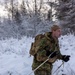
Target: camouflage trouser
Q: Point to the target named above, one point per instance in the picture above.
(42, 72)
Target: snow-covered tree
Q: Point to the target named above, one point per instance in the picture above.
(27, 18)
(66, 15)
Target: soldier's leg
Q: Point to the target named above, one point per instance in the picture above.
(41, 72)
(48, 72)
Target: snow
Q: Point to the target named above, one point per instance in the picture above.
(15, 58)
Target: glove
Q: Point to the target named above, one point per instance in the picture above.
(53, 54)
(48, 53)
(65, 58)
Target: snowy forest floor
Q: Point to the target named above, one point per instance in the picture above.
(15, 58)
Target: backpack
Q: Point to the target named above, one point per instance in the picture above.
(34, 44)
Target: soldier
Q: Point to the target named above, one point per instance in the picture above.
(47, 45)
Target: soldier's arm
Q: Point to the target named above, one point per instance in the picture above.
(59, 56)
(41, 55)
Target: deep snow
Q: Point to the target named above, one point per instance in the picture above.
(15, 58)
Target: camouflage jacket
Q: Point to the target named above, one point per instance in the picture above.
(46, 44)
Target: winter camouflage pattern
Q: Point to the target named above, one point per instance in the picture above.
(46, 44)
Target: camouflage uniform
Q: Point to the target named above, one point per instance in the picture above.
(45, 45)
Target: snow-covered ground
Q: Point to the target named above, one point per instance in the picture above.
(15, 58)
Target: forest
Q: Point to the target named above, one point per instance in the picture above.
(31, 17)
